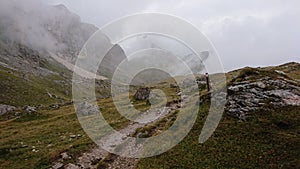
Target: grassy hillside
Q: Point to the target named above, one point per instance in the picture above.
(20, 89)
(269, 139)
(36, 140)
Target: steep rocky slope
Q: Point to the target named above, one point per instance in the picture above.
(29, 36)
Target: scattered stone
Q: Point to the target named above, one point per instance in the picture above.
(50, 95)
(280, 72)
(87, 109)
(23, 145)
(30, 109)
(173, 86)
(65, 156)
(35, 150)
(58, 165)
(6, 109)
(17, 114)
(71, 166)
(54, 106)
(72, 136)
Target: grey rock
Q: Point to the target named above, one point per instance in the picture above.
(86, 109)
(6, 109)
(72, 136)
(247, 97)
(30, 109)
(65, 156)
(58, 165)
(71, 166)
(173, 86)
(142, 93)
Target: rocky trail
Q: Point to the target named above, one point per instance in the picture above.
(81, 72)
(97, 157)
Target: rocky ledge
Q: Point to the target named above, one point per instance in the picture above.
(248, 97)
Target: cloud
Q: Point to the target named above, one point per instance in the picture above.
(245, 33)
(25, 23)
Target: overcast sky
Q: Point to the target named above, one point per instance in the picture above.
(244, 32)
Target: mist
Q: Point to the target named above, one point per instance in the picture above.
(245, 33)
(41, 26)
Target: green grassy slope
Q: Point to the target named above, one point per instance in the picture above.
(49, 133)
(269, 140)
(18, 89)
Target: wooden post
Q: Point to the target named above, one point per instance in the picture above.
(207, 82)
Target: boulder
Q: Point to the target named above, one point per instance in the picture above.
(30, 109)
(86, 109)
(142, 93)
(173, 85)
(6, 109)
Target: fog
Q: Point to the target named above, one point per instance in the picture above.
(245, 33)
(24, 22)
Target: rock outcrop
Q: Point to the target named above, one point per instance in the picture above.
(6, 109)
(247, 97)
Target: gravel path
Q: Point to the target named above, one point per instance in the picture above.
(91, 159)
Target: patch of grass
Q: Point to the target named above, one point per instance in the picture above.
(290, 69)
(291, 72)
(161, 125)
(258, 143)
(19, 91)
(48, 133)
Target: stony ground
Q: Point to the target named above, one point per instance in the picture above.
(98, 156)
(246, 97)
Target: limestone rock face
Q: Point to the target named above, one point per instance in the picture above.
(247, 97)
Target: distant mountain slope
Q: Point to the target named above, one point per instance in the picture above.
(29, 33)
